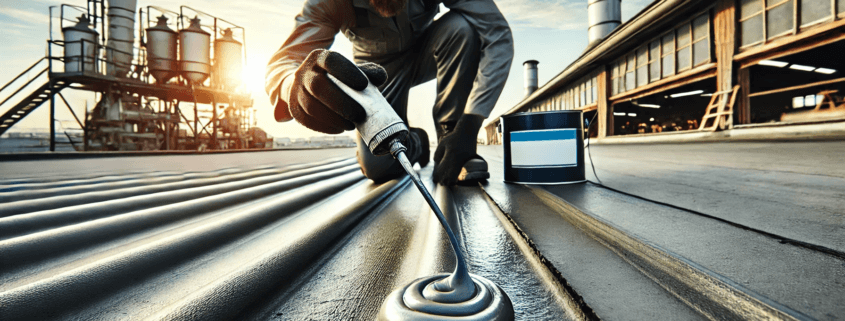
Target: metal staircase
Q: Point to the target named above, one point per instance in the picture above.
(23, 108)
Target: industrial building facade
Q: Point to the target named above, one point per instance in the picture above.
(702, 66)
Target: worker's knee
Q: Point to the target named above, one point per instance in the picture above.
(458, 27)
(377, 168)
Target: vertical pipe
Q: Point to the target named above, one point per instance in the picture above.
(52, 116)
(85, 129)
(196, 124)
(103, 23)
(214, 80)
(530, 75)
(166, 111)
(213, 124)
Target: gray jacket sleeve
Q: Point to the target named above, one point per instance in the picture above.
(496, 52)
(316, 27)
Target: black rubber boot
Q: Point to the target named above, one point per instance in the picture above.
(425, 149)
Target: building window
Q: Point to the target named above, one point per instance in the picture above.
(668, 55)
(642, 66)
(798, 102)
(780, 17)
(701, 40)
(578, 96)
(682, 39)
(583, 92)
(814, 11)
(595, 89)
(614, 78)
(654, 60)
(679, 50)
(619, 80)
(630, 79)
(566, 103)
(751, 21)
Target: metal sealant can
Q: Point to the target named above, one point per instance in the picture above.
(544, 147)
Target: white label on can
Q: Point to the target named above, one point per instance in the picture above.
(544, 148)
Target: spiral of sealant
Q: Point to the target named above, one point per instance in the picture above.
(451, 296)
(421, 300)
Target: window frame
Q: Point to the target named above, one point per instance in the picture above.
(741, 20)
(678, 48)
(830, 18)
(652, 60)
(768, 8)
(642, 52)
(707, 38)
(667, 53)
(797, 24)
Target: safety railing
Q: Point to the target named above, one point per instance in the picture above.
(20, 76)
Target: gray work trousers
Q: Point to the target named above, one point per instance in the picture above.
(449, 51)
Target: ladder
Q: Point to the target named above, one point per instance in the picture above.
(28, 104)
(719, 112)
(35, 99)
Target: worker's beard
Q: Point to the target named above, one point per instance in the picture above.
(388, 8)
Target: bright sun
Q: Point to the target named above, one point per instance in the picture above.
(253, 77)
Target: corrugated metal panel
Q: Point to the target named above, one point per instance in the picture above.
(286, 241)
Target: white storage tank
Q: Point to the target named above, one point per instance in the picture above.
(228, 61)
(80, 47)
(119, 49)
(161, 51)
(194, 52)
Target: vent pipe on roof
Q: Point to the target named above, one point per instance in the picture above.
(530, 76)
(603, 16)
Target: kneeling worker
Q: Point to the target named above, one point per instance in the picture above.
(398, 45)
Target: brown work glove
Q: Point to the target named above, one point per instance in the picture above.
(456, 148)
(317, 103)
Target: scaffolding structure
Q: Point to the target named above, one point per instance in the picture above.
(134, 111)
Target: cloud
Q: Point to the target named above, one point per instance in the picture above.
(563, 15)
(559, 14)
(24, 15)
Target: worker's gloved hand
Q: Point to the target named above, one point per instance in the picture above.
(456, 148)
(317, 103)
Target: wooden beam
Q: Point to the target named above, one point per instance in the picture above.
(603, 83)
(587, 108)
(804, 86)
(744, 108)
(724, 24)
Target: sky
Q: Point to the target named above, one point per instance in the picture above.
(554, 32)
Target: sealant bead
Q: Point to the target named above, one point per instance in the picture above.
(410, 303)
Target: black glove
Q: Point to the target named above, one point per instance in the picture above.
(456, 148)
(317, 103)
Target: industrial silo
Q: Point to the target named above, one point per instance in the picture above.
(228, 60)
(119, 48)
(80, 47)
(194, 52)
(161, 51)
